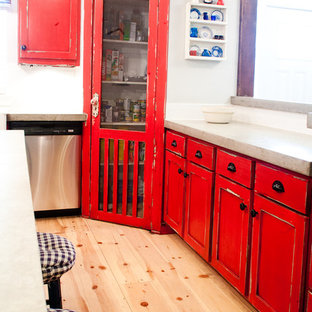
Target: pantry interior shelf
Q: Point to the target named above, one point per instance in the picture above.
(121, 123)
(124, 82)
(143, 43)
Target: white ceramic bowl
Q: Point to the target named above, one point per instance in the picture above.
(218, 113)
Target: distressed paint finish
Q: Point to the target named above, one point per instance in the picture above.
(50, 32)
(230, 231)
(146, 137)
(278, 255)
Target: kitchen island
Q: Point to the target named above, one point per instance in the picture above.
(21, 285)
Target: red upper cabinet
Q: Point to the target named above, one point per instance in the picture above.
(49, 32)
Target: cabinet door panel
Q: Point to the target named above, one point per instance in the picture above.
(174, 191)
(230, 231)
(309, 302)
(49, 30)
(277, 258)
(198, 209)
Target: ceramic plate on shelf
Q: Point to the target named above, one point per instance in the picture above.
(217, 51)
(195, 13)
(195, 50)
(218, 14)
(205, 33)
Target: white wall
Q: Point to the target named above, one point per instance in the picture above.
(36, 89)
(190, 82)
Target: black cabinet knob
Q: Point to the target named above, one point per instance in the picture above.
(174, 143)
(231, 167)
(23, 47)
(180, 170)
(242, 206)
(278, 186)
(186, 175)
(198, 154)
(253, 212)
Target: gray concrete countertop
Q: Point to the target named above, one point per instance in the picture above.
(289, 150)
(47, 117)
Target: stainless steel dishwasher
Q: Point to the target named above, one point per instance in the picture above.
(54, 163)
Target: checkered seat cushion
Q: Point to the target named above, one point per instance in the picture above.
(60, 310)
(57, 256)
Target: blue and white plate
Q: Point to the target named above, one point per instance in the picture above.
(195, 13)
(205, 33)
(218, 14)
(217, 51)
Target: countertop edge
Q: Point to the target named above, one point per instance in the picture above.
(47, 117)
(282, 160)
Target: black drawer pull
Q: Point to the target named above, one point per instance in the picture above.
(186, 175)
(174, 143)
(242, 206)
(278, 186)
(180, 170)
(231, 167)
(198, 154)
(253, 212)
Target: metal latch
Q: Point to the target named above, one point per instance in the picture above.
(95, 105)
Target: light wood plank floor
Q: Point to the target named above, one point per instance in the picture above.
(119, 268)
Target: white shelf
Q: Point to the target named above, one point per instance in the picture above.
(126, 42)
(121, 123)
(205, 58)
(124, 82)
(208, 40)
(207, 22)
(217, 27)
(211, 6)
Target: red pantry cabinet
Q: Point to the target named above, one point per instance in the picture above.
(49, 32)
(124, 90)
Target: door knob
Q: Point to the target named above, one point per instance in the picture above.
(23, 47)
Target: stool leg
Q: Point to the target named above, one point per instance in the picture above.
(55, 296)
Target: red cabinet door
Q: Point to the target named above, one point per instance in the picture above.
(174, 191)
(309, 302)
(49, 32)
(230, 231)
(198, 208)
(277, 257)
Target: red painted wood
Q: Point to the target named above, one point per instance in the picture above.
(296, 188)
(309, 302)
(175, 143)
(105, 175)
(125, 178)
(201, 154)
(115, 179)
(174, 192)
(244, 167)
(277, 257)
(161, 83)
(87, 95)
(230, 232)
(135, 179)
(198, 209)
(50, 30)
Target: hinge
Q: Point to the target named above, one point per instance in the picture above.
(95, 105)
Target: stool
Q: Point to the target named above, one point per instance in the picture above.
(57, 256)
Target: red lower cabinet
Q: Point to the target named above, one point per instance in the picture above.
(309, 302)
(198, 208)
(174, 191)
(277, 257)
(230, 231)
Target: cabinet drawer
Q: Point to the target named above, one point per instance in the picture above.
(285, 188)
(234, 167)
(201, 154)
(175, 143)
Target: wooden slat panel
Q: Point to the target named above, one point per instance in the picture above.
(125, 178)
(135, 179)
(105, 177)
(115, 179)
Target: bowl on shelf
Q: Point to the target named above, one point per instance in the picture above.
(219, 114)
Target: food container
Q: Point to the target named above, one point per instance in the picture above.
(218, 113)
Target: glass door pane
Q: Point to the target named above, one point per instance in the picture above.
(124, 64)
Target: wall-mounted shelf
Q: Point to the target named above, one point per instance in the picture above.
(206, 30)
